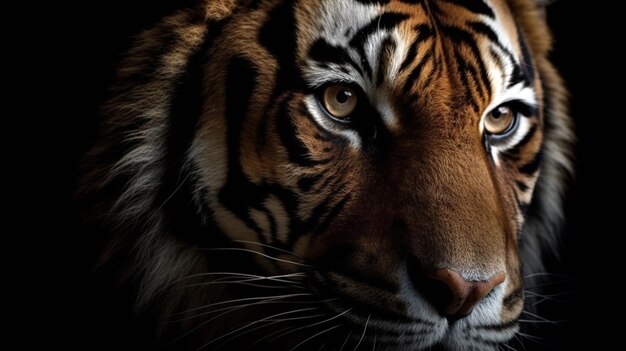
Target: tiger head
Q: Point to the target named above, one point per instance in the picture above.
(400, 161)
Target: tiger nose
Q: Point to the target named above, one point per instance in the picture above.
(455, 296)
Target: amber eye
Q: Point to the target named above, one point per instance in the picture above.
(339, 100)
(500, 121)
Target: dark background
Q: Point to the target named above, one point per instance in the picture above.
(94, 34)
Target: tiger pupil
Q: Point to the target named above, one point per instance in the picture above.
(499, 112)
(343, 96)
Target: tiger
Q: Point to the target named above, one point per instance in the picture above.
(332, 174)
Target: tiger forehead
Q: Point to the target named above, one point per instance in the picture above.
(411, 45)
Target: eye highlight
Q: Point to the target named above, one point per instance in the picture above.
(501, 120)
(339, 101)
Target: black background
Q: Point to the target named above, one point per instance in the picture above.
(94, 34)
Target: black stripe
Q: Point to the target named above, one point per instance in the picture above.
(386, 21)
(523, 206)
(519, 74)
(486, 30)
(239, 194)
(278, 36)
(322, 51)
(297, 151)
(514, 151)
(512, 298)
(461, 65)
(476, 6)
(496, 57)
(417, 71)
(334, 212)
(240, 85)
(175, 196)
(272, 223)
(478, 79)
(527, 62)
(423, 32)
(521, 185)
(305, 183)
(318, 211)
(532, 166)
(461, 36)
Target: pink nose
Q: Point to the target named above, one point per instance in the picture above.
(462, 295)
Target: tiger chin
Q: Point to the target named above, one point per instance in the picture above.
(335, 174)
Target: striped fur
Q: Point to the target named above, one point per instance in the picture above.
(241, 214)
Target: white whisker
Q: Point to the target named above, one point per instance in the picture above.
(273, 322)
(346, 341)
(239, 300)
(291, 285)
(547, 274)
(269, 336)
(256, 253)
(539, 318)
(234, 308)
(236, 274)
(509, 347)
(268, 246)
(316, 335)
(318, 323)
(364, 330)
(253, 323)
(158, 210)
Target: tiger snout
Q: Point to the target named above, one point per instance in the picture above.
(441, 257)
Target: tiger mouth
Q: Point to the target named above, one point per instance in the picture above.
(372, 324)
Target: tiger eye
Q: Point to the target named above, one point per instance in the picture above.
(340, 100)
(500, 120)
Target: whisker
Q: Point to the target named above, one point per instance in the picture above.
(244, 333)
(364, 330)
(236, 274)
(238, 300)
(318, 323)
(234, 308)
(534, 321)
(539, 318)
(546, 284)
(520, 341)
(346, 341)
(269, 336)
(242, 282)
(253, 323)
(535, 339)
(509, 347)
(548, 297)
(316, 335)
(548, 274)
(158, 210)
(273, 322)
(256, 253)
(269, 247)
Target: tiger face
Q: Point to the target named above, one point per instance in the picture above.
(384, 153)
(394, 145)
